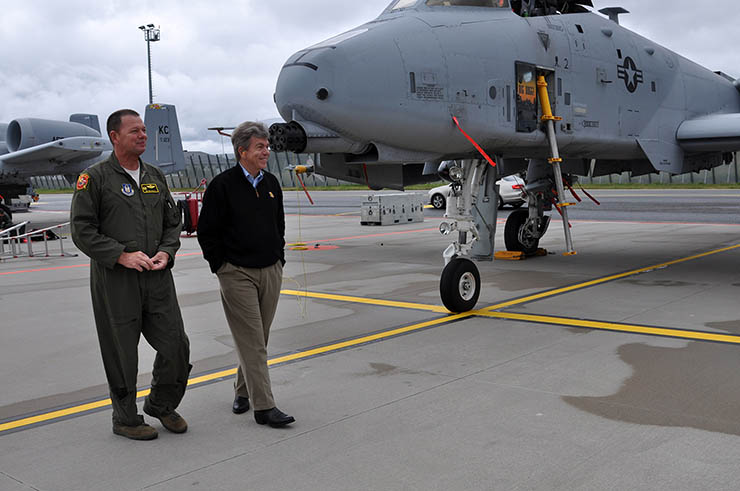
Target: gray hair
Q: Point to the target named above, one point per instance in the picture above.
(243, 134)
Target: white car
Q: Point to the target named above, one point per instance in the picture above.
(510, 188)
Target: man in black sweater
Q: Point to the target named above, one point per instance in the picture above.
(241, 230)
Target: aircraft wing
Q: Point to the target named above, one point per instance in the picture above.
(715, 133)
(66, 150)
(701, 140)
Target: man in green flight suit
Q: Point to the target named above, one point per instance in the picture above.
(125, 220)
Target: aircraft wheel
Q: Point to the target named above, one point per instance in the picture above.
(459, 286)
(6, 217)
(438, 201)
(515, 236)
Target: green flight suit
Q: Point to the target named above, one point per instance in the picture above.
(110, 214)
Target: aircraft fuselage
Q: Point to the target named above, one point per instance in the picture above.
(392, 86)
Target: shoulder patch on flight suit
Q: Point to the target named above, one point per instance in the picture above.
(127, 189)
(149, 188)
(83, 181)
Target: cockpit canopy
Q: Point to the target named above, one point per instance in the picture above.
(402, 4)
(499, 4)
(525, 8)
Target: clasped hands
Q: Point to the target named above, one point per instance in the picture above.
(141, 262)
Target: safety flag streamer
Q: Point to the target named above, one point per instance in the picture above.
(304, 187)
(477, 147)
(586, 193)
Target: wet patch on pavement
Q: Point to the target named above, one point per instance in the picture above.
(694, 387)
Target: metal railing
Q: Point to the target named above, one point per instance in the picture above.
(15, 241)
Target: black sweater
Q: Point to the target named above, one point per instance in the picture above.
(241, 225)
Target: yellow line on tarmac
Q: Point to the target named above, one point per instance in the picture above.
(75, 410)
(614, 326)
(369, 301)
(487, 312)
(370, 338)
(598, 281)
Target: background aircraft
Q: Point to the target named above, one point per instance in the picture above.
(40, 147)
(387, 102)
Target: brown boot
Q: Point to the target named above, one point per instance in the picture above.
(172, 421)
(140, 432)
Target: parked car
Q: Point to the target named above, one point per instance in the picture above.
(510, 188)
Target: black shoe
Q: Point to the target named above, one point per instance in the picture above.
(273, 417)
(241, 405)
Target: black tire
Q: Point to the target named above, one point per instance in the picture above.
(500, 202)
(185, 214)
(438, 201)
(459, 286)
(514, 223)
(517, 204)
(6, 217)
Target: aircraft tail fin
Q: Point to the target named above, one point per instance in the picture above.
(164, 146)
(89, 120)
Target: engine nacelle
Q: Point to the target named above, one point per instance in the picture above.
(29, 132)
(3, 146)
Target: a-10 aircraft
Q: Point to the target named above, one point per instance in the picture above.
(547, 88)
(40, 147)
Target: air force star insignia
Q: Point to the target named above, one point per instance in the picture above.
(127, 189)
(631, 75)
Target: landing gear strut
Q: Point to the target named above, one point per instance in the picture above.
(471, 211)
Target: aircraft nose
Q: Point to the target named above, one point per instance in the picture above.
(341, 80)
(382, 83)
(303, 82)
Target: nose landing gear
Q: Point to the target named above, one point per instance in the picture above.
(460, 284)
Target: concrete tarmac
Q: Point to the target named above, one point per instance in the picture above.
(617, 368)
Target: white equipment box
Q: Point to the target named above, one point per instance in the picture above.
(392, 209)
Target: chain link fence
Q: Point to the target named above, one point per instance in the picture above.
(205, 166)
(199, 165)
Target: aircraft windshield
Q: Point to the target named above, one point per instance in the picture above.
(402, 4)
(496, 4)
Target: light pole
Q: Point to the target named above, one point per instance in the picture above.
(151, 34)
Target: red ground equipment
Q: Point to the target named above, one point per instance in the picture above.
(190, 208)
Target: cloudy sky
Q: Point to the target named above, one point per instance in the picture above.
(218, 61)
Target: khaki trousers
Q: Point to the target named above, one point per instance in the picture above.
(250, 297)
